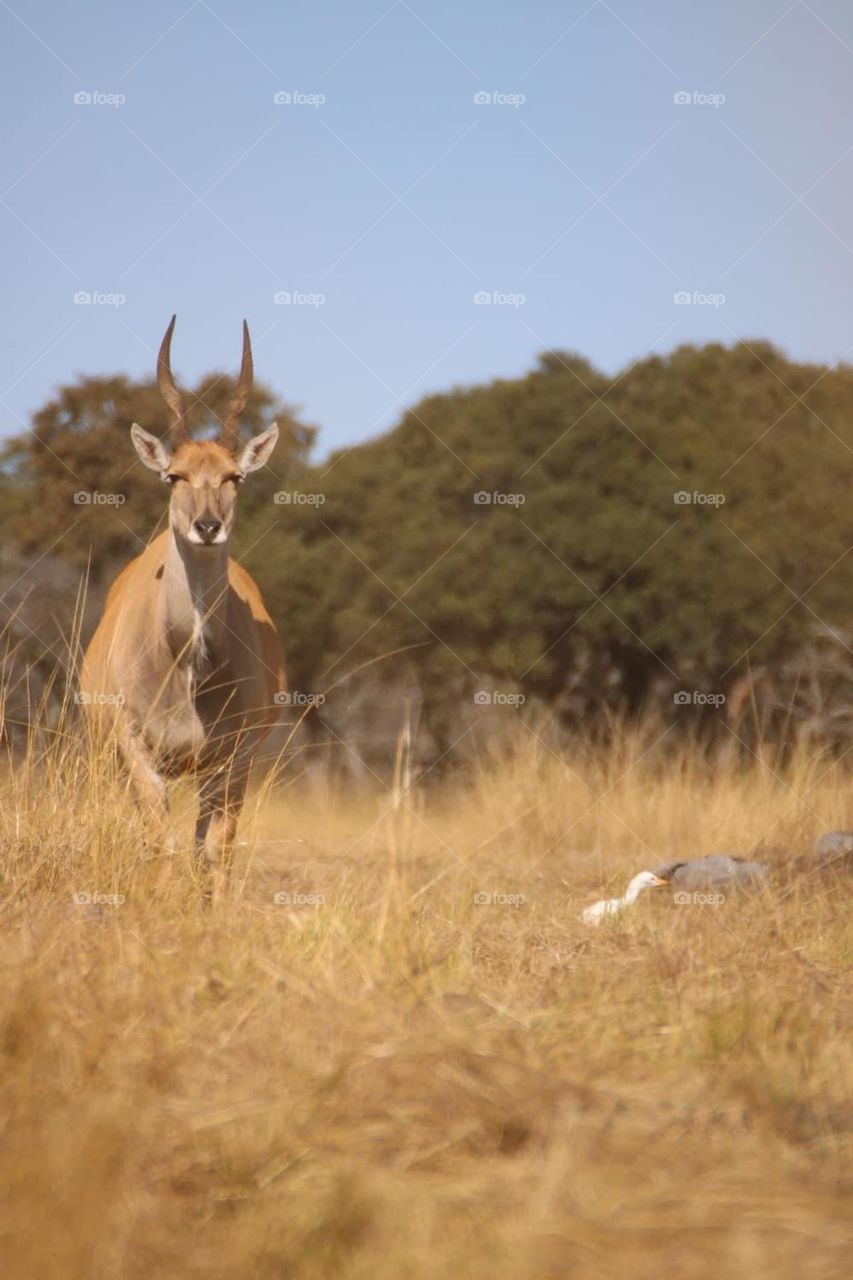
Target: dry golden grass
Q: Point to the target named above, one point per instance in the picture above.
(400, 1081)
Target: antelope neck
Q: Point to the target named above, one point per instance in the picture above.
(195, 581)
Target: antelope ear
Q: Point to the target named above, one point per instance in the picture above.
(258, 450)
(152, 452)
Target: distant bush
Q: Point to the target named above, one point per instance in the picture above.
(75, 486)
(592, 542)
(652, 534)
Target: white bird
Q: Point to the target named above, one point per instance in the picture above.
(612, 906)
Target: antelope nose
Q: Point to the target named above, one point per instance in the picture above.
(208, 529)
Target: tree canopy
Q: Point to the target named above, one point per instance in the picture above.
(78, 489)
(640, 534)
(586, 576)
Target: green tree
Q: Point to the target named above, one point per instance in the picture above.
(601, 587)
(79, 447)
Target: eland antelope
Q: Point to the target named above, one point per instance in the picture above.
(186, 666)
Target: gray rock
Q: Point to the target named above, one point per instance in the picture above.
(834, 847)
(712, 872)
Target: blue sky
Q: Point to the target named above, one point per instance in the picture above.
(580, 197)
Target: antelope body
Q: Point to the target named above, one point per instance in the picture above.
(185, 667)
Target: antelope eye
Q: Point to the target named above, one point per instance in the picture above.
(236, 478)
(172, 479)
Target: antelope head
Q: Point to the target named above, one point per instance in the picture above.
(204, 475)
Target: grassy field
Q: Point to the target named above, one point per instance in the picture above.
(391, 1048)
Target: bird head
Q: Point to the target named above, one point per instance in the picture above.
(645, 880)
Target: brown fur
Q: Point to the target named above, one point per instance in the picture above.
(186, 666)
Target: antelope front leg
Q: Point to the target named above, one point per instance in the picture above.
(220, 802)
(148, 786)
